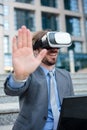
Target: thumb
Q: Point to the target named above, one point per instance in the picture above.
(42, 54)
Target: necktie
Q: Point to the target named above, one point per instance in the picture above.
(53, 102)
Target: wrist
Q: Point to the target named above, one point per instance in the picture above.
(17, 79)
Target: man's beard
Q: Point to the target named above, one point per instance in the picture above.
(49, 63)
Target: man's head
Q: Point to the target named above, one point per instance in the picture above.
(51, 55)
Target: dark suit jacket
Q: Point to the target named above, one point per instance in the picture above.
(33, 98)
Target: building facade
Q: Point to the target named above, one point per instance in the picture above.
(58, 15)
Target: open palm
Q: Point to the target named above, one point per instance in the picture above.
(23, 59)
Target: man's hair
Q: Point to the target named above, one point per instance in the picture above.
(37, 37)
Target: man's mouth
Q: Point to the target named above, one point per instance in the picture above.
(52, 54)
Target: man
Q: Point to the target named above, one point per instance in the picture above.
(30, 80)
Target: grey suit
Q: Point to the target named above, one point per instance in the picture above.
(33, 98)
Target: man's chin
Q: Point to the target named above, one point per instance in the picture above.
(49, 63)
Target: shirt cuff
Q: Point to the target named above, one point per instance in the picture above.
(14, 83)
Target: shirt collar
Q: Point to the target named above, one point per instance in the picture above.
(46, 71)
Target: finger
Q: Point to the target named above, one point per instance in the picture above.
(29, 38)
(14, 45)
(19, 38)
(24, 36)
(42, 54)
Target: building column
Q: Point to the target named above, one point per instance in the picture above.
(1, 40)
(38, 15)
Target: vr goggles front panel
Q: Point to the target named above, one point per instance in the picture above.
(54, 40)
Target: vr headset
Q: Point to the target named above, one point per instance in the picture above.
(53, 40)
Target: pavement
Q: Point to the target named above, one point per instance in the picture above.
(6, 127)
(82, 70)
(9, 107)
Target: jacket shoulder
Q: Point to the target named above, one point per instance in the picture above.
(63, 72)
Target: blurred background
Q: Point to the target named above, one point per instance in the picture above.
(58, 15)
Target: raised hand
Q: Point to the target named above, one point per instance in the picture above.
(23, 59)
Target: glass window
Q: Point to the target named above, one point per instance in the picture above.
(24, 17)
(73, 26)
(86, 28)
(1, 14)
(77, 47)
(50, 3)
(6, 10)
(49, 21)
(71, 5)
(1, 9)
(8, 61)
(6, 25)
(85, 6)
(6, 44)
(86, 25)
(25, 1)
(1, 19)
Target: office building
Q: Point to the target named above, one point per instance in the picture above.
(57, 15)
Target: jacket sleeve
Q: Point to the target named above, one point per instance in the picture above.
(15, 91)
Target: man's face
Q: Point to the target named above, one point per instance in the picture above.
(50, 57)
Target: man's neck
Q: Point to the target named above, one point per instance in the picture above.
(47, 67)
